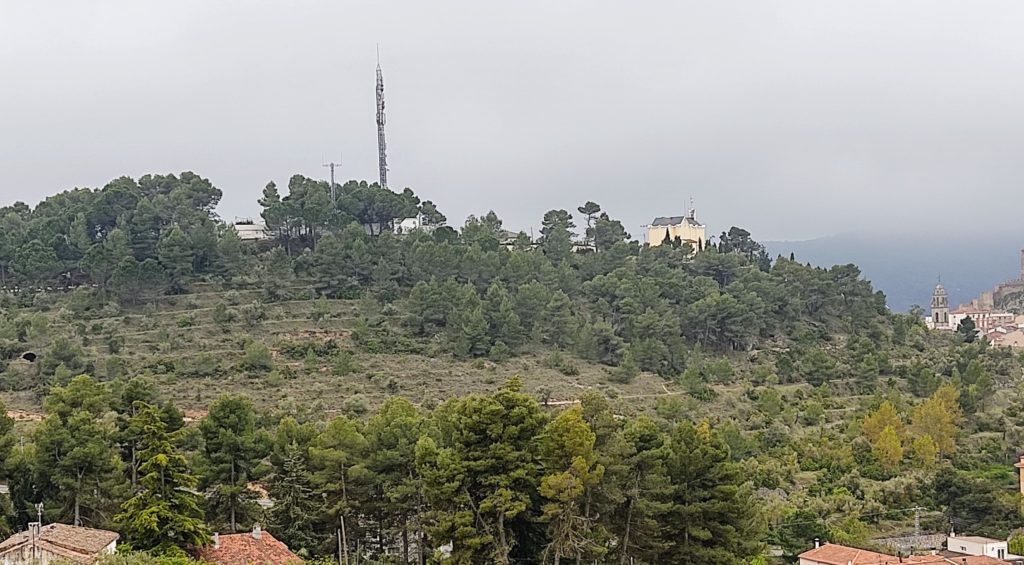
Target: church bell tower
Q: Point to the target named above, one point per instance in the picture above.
(940, 308)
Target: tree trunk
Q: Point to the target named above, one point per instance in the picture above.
(629, 523)
(78, 500)
(234, 526)
(586, 515)
(405, 541)
(135, 467)
(502, 540)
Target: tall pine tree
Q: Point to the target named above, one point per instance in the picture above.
(165, 516)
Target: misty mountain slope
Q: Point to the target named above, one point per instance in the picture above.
(907, 268)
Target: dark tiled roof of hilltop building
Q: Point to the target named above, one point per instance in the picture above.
(674, 221)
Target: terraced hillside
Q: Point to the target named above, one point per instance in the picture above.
(194, 347)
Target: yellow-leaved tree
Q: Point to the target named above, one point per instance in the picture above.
(939, 419)
(888, 449)
(876, 422)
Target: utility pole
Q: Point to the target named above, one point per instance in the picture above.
(331, 166)
(382, 158)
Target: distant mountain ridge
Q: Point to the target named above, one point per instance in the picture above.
(907, 268)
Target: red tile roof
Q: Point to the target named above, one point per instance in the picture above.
(246, 549)
(76, 544)
(833, 554)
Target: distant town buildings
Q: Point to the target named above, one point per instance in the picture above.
(990, 312)
(965, 550)
(685, 229)
(1004, 291)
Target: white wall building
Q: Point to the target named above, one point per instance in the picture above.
(976, 545)
(251, 230)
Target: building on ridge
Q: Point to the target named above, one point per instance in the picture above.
(684, 228)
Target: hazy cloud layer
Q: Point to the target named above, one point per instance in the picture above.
(794, 119)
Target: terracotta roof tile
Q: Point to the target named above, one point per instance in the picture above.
(80, 545)
(834, 554)
(244, 549)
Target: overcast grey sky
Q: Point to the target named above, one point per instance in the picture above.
(792, 118)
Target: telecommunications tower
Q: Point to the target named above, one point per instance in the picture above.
(382, 157)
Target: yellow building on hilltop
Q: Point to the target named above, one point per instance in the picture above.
(685, 228)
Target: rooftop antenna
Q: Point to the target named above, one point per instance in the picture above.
(382, 158)
(331, 166)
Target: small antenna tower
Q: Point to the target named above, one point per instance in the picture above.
(331, 166)
(382, 158)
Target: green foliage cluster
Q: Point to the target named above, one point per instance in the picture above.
(837, 411)
(495, 476)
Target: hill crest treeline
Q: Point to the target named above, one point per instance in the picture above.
(615, 302)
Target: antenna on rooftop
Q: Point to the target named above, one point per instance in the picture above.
(331, 166)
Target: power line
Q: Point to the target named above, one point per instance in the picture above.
(916, 509)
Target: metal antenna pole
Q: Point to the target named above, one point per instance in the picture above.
(331, 166)
(382, 158)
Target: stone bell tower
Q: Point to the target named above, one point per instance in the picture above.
(940, 308)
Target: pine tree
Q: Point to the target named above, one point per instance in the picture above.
(572, 472)
(175, 253)
(230, 457)
(558, 325)
(712, 519)
(391, 436)
(166, 515)
(479, 479)
(645, 491)
(337, 458)
(503, 322)
(7, 438)
(75, 446)
(295, 506)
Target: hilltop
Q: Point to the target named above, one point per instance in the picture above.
(840, 411)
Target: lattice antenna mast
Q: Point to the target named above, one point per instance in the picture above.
(334, 187)
(382, 157)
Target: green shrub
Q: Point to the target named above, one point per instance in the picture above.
(222, 315)
(343, 363)
(257, 357)
(356, 405)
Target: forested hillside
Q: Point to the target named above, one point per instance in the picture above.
(579, 398)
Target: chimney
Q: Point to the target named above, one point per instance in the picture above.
(35, 528)
(216, 540)
(256, 532)
(817, 543)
